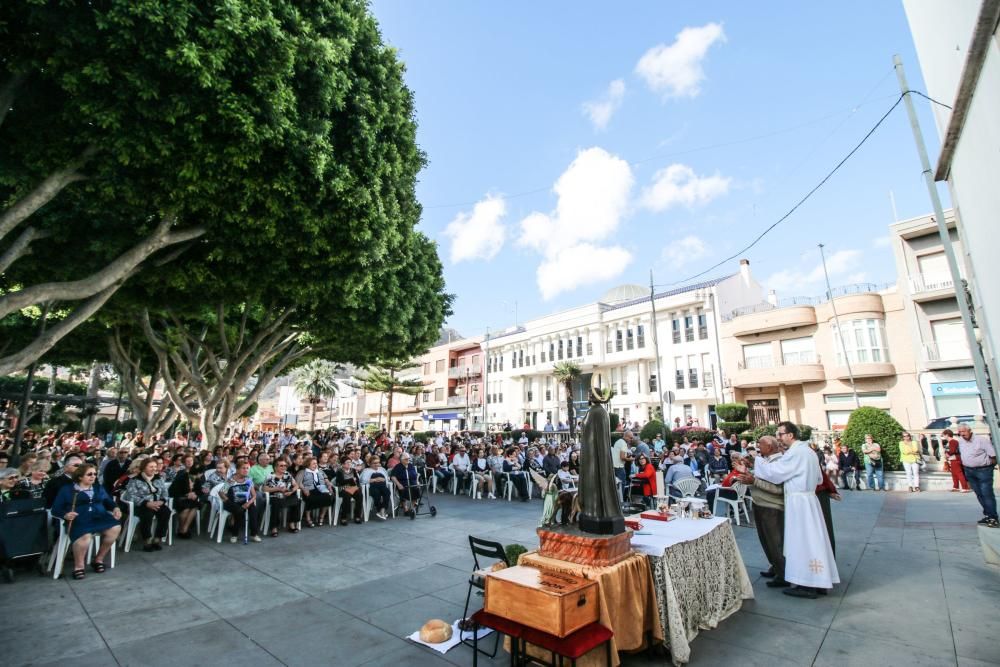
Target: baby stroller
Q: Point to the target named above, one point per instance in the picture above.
(24, 534)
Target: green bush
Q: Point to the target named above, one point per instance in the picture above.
(128, 426)
(531, 433)
(692, 433)
(732, 412)
(805, 432)
(736, 427)
(885, 430)
(615, 420)
(759, 432)
(653, 429)
(514, 552)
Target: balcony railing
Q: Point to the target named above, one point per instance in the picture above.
(460, 371)
(787, 359)
(792, 301)
(930, 282)
(459, 401)
(945, 351)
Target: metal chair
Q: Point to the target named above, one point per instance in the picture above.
(488, 550)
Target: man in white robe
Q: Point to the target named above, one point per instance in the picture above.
(809, 560)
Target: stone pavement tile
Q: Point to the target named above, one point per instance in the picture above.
(795, 642)
(927, 634)
(772, 602)
(156, 618)
(371, 596)
(267, 593)
(217, 644)
(971, 662)
(354, 642)
(114, 594)
(43, 615)
(842, 649)
(409, 653)
(100, 658)
(710, 650)
(74, 638)
(436, 577)
(407, 617)
(456, 595)
(979, 641)
(287, 619)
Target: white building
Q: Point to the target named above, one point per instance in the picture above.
(612, 342)
(350, 405)
(959, 53)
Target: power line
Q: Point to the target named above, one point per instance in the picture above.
(798, 204)
(698, 149)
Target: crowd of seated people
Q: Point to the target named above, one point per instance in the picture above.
(298, 480)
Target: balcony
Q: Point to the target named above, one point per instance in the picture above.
(945, 354)
(864, 369)
(930, 286)
(769, 318)
(459, 401)
(460, 371)
(792, 368)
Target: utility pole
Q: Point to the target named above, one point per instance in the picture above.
(961, 294)
(840, 332)
(486, 384)
(656, 350)
(468, 415)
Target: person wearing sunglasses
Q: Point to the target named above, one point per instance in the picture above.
(88, 510)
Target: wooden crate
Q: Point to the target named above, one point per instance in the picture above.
(548, 601)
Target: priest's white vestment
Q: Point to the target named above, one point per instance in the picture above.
(809, 560)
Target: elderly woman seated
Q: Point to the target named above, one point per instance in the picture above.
(33, 485)
(377, 480)
(315, 487)
(87, 509)
(148, 495)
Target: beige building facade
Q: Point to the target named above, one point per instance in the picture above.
(786, 359)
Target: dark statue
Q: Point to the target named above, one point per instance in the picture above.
(600, 511)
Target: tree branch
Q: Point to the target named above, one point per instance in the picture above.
(43, 193)
(44, 342)
(19, 248)
(116, 271)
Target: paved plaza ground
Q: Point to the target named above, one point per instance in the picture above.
(914, 591)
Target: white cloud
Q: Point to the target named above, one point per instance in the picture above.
(688, 249)
(593, 197)
(600, 111)
(578, 265)
(675, 70)
(678, 184)
(808, 276)
(478, 235)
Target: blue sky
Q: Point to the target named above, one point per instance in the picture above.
(574, 146)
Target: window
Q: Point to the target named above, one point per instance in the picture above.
(475, 360)
(949, 341)
(675, 326)
(548, 388)
(757, 355)
(427, 368)
(625, 415)
(427, 396)
(532, 360)
(520, 356)
(688, 328)
(864, 397)
(501, 397)
(579, 346)
(864, 339)
(607, 346)
(798, 351)
(439, 394)
(708, 379)
(618, 340)
(652, 384)
(543, 357)
(693, 378)
(560, 350)
(552, 351)
(590, 349)
(640, 336)
(501, 362)
(702, 326)
(630, 340)
(439, 366)
(679, 378)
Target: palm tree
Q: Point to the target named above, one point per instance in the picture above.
(315, 381)
(566, 372)
(384, 379)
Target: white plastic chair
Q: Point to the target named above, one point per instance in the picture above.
(688, 487)
(133, 522)
(661, 495)
(57, 558)
(319, 511)
(736, 504)
(197, 515)
(217, 514)
(474, 492)
(266, 519)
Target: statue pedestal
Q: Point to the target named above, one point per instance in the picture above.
(571, 545)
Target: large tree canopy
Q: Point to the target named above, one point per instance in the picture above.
(269, 144)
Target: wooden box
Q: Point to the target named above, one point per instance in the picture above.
(552, 602)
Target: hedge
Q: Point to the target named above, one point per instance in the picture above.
(732, 412)
(692, 433)
(885, 430)
(805, 432)
(614, 420)
(653, 429)
(736, 427)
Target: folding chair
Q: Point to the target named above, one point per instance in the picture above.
(477, 580)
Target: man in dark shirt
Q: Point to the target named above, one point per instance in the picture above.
(56, 483)
(848, 462)
(115, 468)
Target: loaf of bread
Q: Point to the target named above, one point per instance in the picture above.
(435, 631)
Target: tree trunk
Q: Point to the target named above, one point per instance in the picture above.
(209, 433)
(570, 417)
(47, 410)
(92, 387)
(313, 401)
